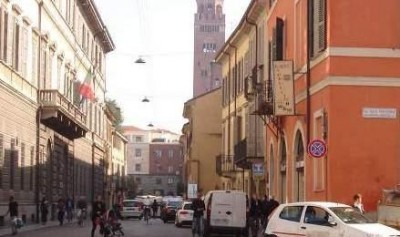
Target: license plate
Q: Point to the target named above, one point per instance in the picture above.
(221, 221)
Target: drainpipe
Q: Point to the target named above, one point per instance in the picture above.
(229, 105)
(38, 118)
(308, 75)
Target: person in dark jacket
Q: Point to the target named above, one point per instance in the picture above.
(98, 211)
(44, 210)
(13, 210)
(254, 214)
(198, 207)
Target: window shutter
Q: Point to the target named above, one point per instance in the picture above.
(10, 39)
(18, 47)
(24, 53)
(319, 24)
(273, 46)
(279, 38)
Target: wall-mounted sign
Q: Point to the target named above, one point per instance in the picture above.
(317, 148)
(258, 169)
(386, 113)
(192, 190)
(283, 88)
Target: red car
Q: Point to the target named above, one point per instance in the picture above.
(168, 210)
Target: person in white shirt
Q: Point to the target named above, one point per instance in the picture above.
(358, 203)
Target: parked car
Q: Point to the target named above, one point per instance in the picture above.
(323, 219)
(225, 213)
(131, 208)
(184, 215)
(168, 211)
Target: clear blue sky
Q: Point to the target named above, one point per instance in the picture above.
(162, 32)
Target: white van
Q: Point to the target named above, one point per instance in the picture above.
(225, 212)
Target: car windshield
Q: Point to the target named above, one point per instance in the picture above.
(130, 204)
(187, 206)
(350, 215)
(174, 204)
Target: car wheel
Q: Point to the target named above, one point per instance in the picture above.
(177, 224)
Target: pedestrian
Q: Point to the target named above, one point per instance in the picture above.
(264, 211)
(44, 210)
(358, 203)
(254, 214)
(272, 204)
(155, 208)
(61, 210)
(13, 210)
(98, 211)
(69, 205)
(198, 207)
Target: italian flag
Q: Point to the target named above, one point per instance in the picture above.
(86, 89)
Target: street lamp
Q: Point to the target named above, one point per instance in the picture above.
(140, 60)
(145, 100)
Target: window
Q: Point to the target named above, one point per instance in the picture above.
(209, 47)
(170, 180)
(22, 166)
(16, 45)
(35, 45)
(24, 52)
(171, 153)
(138, 180)
(158, 153)
(138, 167)
(316, 216)
(31, 167)
(319, 26)
(158, 181)
(139, 139)
(159, 168)
(138, 152)
(170, 169)
(291, 213)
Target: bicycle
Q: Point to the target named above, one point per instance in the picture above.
(146, 214)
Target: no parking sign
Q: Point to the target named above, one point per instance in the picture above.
(316, 148)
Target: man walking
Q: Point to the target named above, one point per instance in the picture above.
(13, 210)
(98, 211)
(198, 207)
(254, 215)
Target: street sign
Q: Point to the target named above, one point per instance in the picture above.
(385, 113)
(317, 148)
(192, 191)
(258, 169)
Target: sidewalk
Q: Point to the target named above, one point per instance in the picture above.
(6, 230)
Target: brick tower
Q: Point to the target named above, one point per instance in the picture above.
(209, 37)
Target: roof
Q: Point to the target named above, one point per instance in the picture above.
(94, 19)
(160, 130)
(132, 129)
(243, 22)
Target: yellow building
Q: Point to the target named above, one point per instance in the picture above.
(242, 58)
(202, 139)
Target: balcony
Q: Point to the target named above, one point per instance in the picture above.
(225, 166)
(59, 114)
(246, 153)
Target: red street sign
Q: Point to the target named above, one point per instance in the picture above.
(316, 148)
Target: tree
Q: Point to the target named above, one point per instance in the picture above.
(116, 112)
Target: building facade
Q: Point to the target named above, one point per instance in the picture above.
(347, 97)
(202, 140)
(241, 58)
(209, 36)
(52, 141)
(154, 160)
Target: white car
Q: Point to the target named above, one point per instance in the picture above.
(184, 215)
(131, 208)
(323, 219)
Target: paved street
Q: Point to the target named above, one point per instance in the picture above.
(155, 228)
(132, 228)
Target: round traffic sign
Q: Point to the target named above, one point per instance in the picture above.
(317, 148)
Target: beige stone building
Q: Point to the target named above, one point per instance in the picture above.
(52, 141)
(242, 59)
(202, 140)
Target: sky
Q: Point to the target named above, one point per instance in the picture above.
(161, 32)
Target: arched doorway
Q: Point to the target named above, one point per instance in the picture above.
(299, 184)
(283, 169)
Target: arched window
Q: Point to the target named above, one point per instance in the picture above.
(298, 185)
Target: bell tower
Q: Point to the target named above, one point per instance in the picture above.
(209, 37)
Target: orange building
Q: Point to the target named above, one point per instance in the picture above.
(349, 98)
